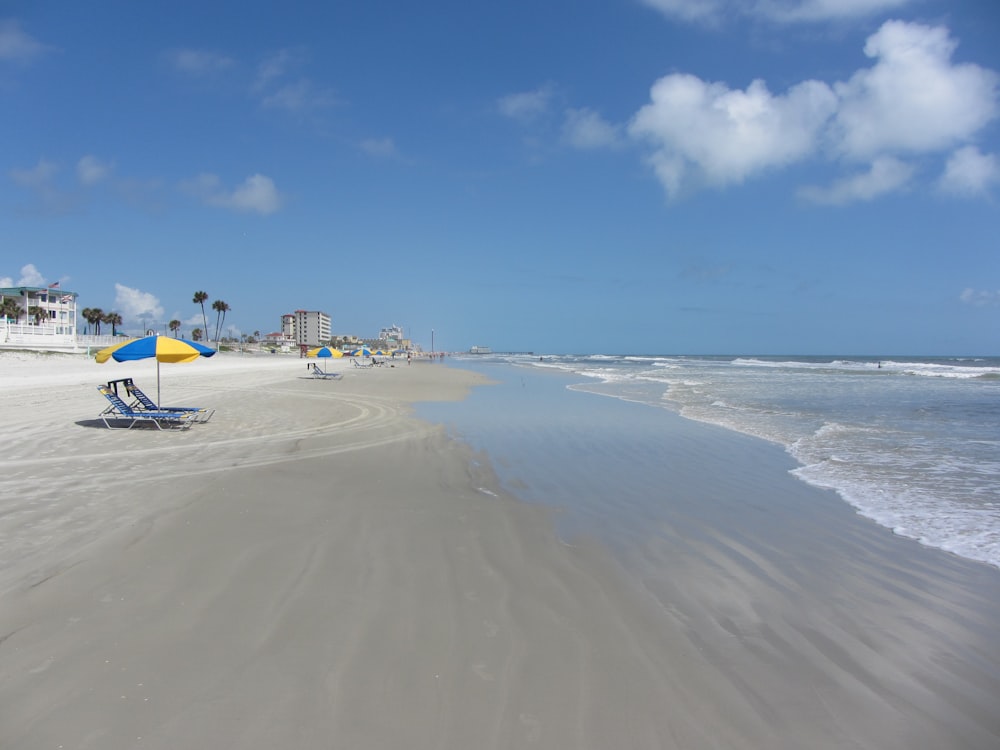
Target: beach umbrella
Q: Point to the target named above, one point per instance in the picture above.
(324, 351)
(162, 348)
(364, 351)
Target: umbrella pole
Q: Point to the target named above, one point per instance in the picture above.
(158, 401)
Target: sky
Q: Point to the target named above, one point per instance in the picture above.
(560, 176)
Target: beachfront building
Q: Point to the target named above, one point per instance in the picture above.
(393, 338)
(279, 340)
(393, 335)
(38, 317)
(309, 327)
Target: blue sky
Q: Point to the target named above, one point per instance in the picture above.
(660, 176)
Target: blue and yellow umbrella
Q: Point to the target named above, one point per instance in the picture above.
(324, 351)
(162, 348)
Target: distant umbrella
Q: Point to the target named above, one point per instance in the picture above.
(162, 348)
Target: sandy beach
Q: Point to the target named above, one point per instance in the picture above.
(318, 568)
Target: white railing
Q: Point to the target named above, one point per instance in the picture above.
(27, 334)
(48, 337)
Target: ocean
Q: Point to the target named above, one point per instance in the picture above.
(912, 443)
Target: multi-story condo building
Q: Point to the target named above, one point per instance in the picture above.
(311, 327)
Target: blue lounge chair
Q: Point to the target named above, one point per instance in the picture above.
(144, 402)
(323, 374)
(119, 411)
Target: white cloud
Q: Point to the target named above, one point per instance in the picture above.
(299, 96)
(969, 172)
(527, 105)
(690, 10)
(17, 46)
(728, 135)
(586, 129)
(913, 99)
(198, 62)
(273, 68)
(135, 305)
(980, 298)
(887, 174)
(30, 276)
(90, 170)
(38, 177)
(781, 11)
(257, 193)
(823, 10)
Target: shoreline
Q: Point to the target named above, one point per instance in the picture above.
(317, 565)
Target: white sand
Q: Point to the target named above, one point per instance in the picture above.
(314, 568)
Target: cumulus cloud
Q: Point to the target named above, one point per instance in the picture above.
(256, 194)
(586, 129)
(135, 305)
(781, 11)
(90, 170)
(527, 105)
(980, 297)
(887, 174)
(913, 99)
(18, 47)
(30, 276)
(728, 135)
(969, 172)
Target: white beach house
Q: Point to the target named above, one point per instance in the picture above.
(38, 317)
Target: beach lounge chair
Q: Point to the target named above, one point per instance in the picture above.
(323, 374)
(358, 364)
(144, 402)
(119, 411)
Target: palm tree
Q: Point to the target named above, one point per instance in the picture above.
(221, 308)
(38, 313)
(114, 320)
(10, 308)
(175, 326)
(95, 319)
(199, 299)
(196, 334)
